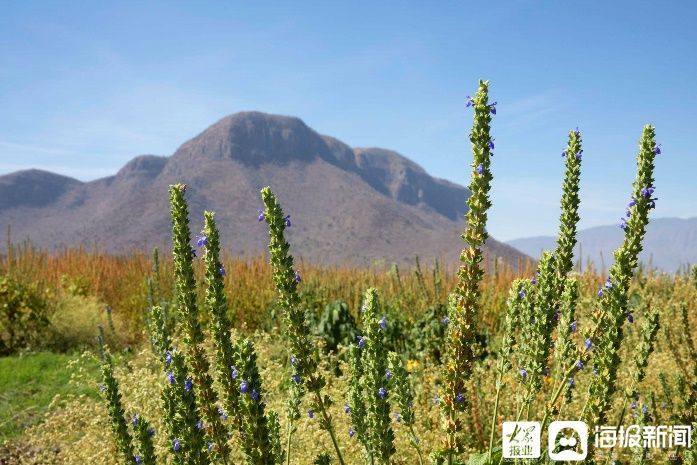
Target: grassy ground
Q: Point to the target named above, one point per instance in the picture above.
(28, 384)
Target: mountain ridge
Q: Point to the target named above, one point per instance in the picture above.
(349, 205)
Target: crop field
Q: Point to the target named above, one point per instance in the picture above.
(190, 356)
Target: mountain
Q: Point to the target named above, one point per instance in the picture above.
(670, 244)
(348, 205)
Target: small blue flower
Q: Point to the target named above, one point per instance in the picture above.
(199, 425)
(630, 316)
(223, 415)
(137, 459)
(601, 292)
(311, 413)
(608, 283)
(193, 252)
(647, 192)
(397, 417)
(188, 384)
(170, 377)
(521, 294)
(222, 270)
(524, 373)
(657, 149)
(588, 344)
(436, 400)
(286, 221)
(233, 372)
(169, 358)
(382, 392)
(571, 382)
(388, 375)
(480, 168)
(297, 277)
(244, 387)
(296, 378)
(176, 445)
(632, 202)
(261, 216)
(201, 241)
(470, 102)
(579, 365)
(293, 360)
(577, 132)
(633, 405)
(151, 431)
(210, 446)
(533, 281)
(351, 432)
(644, 409)
(445, 321)
(556, 315)
(574, 326)
(347, 408)
(492, 107)
(491, 144)
(383, 323)
(102, 387)
(361, 341)
(134, 420)
(459, 398)
(563, 154)
(255, 395)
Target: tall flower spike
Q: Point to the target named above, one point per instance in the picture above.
(404, 395)
(217, 307)
(357, 407)
(564, 347)
(461, 338)
(144, 439)
(374, 359)
(615, 302)
(188, 315)
(117, 415)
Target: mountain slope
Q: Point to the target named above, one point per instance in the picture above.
(670, 244)
(348, 205)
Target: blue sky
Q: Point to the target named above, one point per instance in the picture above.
(85, 86)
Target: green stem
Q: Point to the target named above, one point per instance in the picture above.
(288, 441)
(415, 443)
(496, 412)
(328, 424)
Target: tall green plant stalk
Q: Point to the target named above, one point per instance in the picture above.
(461, 338)
(286, 278)
(189, 318)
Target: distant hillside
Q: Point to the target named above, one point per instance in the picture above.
(353, 206)
(670, 244)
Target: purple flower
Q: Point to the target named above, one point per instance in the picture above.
(588, 344)
(579, 154)
(176, 445)
(222, 270)
(521, 293)
(169, 358)
(255, 395)
(436, 400)
(644, 409)
(286, 221)
(623, 224)
(293, 360)
(223, 415)
(577, 132)
(134, 420)
(459, 398)
(170, 377)
(201, 240)
(523, 373)
(608, 283)
(188, 384)
(234, 372)
(311, 413)
(632, 202)
(397, 417)
(262, 216)
(244, 387)
(199, 425)
(210, 446)
(574, 326)
(630, 316)
(601, 292)
(296, 378)
(571, 382)
(480, 168)
(361, 341)
(579, 365)
(383, 322)
(633, 405)
(657, 149)
(563, 154)
(493, 108)
(491, 144)
(445, 320)
(137, 459)
(556, 315)
(388, 375)
(151, 431)
(533, 281)
(382, 392)
(347, 408)
(102, 387)
(351, 432)
(297, 277)
(647, 192)
(470, 102)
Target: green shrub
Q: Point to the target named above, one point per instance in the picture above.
(336, 326)
(23, 315)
